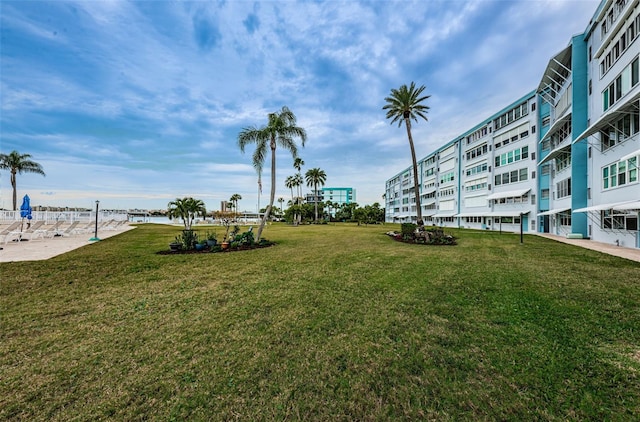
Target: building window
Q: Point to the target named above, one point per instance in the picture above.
(619, 220)
(476, 187)
(511, 115)
(477, 152)
(563, 188)
(511, 177)
(563, 161)
(620, 173)
(480, 168)
(619, 131)
(622, 84)
(512, 156)
(447, 177)
(620, 46)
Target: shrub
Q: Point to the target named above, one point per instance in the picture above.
(407, 229)
(188, 239)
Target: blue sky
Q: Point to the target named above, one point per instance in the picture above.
(138, 103)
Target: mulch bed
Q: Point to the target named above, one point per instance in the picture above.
(193, 251)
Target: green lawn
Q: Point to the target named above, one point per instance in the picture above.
(335, 322)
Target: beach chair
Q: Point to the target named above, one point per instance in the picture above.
(10, 228)
(68, 231)
(49, 232)
(116, 225)
(19, 235)
(87, 228)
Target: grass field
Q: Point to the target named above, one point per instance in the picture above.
(335, 322)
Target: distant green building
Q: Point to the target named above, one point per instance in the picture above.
(338, 196)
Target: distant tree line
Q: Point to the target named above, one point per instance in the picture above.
(331, 212)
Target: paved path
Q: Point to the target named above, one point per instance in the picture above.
(41, 249)
(629, 253)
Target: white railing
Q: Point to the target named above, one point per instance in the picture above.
(64, 216)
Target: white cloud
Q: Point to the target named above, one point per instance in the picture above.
(138, 108)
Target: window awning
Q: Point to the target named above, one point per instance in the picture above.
(510, 213)
(508, 194)
(555, 211)
(445, 214)
(601, 207)
(629, 206)
(556, 125)
(614, 113)
(557, 66)
(564, 149)
(473, 214)
(631, 155)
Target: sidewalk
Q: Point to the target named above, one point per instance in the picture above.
(632, 254)
(42, 249)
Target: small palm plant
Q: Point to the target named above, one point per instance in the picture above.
(186, 209)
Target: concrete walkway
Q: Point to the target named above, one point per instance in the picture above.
(42, 249)
(632, 254)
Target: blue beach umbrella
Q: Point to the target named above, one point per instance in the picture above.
(25, 209)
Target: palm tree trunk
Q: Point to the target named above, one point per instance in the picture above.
(272, 197)
(315, 188)
(15, 191)
(416, 184)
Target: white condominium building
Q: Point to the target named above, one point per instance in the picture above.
(563, 159)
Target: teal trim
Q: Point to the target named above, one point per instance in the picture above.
(459, 181)
(579, 117)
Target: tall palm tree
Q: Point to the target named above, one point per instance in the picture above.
(403, 105)
(290, 183)
(297, 182)
(297, 164)
(281, 200)
(187, 209)
(280, 130)
(315, 177)
(234, 200)
(18, 163)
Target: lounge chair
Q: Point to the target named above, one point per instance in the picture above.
(19, 235)
(68, 231)
(50, 232)
(10, 228)
(84, 229)
(116, 225)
